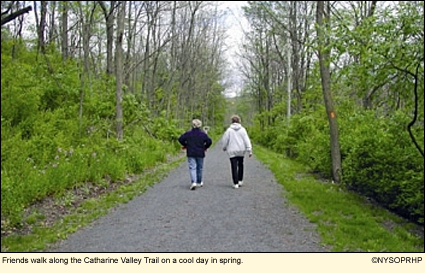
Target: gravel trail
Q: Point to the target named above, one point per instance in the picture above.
(169, 217)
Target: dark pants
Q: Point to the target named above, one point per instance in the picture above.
(236, 163)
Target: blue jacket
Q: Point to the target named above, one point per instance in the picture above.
(196, 142)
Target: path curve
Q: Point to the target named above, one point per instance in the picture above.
(169, 217)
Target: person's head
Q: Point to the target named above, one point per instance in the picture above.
(196, 123)
(236, 119)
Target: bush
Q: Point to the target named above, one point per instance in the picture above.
(379, 159)
(381, 162)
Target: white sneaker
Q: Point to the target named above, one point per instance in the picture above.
(200, 184)
(193, 186)
(235, 186)
(240, 183)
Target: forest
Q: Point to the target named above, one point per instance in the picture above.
(95, 91)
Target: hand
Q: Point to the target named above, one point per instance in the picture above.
(183, 148)
(250, 154)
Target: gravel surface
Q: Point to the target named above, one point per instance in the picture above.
(169, 217)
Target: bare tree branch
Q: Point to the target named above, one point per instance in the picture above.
(15, 14)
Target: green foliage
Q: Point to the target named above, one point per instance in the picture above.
(99, 104)
(165, 129)
(377, 62)
(92, 208)
(20, 91)
(311, 135)
(379, 159)
(304, 137)
(345, 221)
(386, 49)
(381, 162)
(48, 148)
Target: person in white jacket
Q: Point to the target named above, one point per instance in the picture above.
(236, 143)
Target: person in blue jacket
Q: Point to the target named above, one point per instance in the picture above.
(196, 142)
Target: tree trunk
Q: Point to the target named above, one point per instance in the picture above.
(119, 69)
(109, 18)
(324, 60)
(64, 30)
(52, 29)
(171, 87)
(41, 26)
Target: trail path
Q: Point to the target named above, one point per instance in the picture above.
(169, 217)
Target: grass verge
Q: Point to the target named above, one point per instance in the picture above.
(43, 237)
(346, 221)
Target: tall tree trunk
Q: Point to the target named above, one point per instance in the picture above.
(52, 30)
(146, 93)
(64, 30)
(41, 29)
(173, 54)
(86, 23)
(41, 25)
(109, 18)
(119, 70)
(288, 110)
(324, 60)
(290, 43)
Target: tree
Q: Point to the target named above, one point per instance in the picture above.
(86, 20)
(119, 69)
(41, 26)
(323, 19)
(64, 29)
(109, 18)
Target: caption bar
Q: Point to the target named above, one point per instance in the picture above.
(124, 260)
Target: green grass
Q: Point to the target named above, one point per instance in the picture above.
(42, 237)
(345, 221)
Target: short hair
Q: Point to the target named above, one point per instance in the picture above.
(236, 119)
(196, 123)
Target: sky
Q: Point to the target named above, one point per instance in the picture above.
(236, 23)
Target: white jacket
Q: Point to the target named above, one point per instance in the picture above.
(236, 141)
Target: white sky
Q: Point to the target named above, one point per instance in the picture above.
(235, 23)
